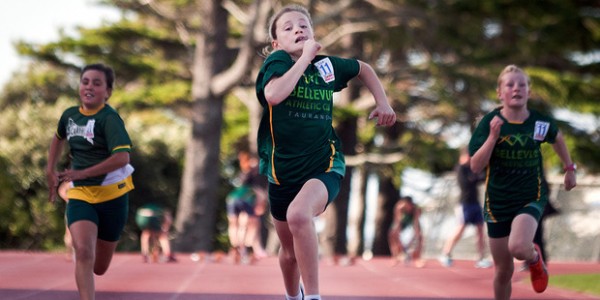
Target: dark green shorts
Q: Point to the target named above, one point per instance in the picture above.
(109, 216)
(152, 223)
(502, 229)
(280, 196)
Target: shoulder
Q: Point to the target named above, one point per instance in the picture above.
(71, 111)
(109, 112)
(109, 109)
(485, 120)
(336, 61)
(493, 113)
(536, 115)
(279, 56)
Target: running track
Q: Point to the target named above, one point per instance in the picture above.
(49, 276)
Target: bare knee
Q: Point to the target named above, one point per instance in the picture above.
(100, 271)
(101, 266)
(521, 251)
(84, 255)
(298, 222)
(287, 255)
(504, 272)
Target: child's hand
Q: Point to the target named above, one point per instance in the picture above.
(495, 125)
(311, 48)
(570, 180)
(385, 115)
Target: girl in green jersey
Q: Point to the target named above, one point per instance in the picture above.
(299, 150)
(100, 175)
(506, 143)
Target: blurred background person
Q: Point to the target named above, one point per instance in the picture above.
(155, 222)
(246, 204)
(405, 236)
(470, 212)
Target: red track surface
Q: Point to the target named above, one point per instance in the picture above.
(48, 276)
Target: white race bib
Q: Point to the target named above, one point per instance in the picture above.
(325, 68)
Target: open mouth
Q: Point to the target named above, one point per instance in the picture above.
(300, 39)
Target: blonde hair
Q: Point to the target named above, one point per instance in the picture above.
(286, 9)
(512, 69)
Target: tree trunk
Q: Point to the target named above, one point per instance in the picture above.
(196, 214)
(388, 195)
(356, 213)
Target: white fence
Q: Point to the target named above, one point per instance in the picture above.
(572, 235)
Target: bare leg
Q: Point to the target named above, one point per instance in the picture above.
(504, 268)
(287, 258)
(145, 244)
(234, 237)
(309, 203)
(232, 229)
(165, 244)
(451, 242)
(252, 239)
(68, 243)
(416, 255)
(104, 255)
(520, 242)
(480, 241)
(84, 234)
(395, 246)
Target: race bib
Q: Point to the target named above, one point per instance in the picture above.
(540, 130)
(325, 68)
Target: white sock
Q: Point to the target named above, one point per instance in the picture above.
(312, 297)
(297, 297)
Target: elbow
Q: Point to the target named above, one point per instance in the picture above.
(272, 98)
(476, 168)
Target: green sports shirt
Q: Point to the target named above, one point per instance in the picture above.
(92, 138)
(515, 173)
(296, 139)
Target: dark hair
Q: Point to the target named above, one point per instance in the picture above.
(108, 73)
(408, 199)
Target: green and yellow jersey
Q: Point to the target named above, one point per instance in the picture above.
(515, 173)
(296, 138)
(92, 138)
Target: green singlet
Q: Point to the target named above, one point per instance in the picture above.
(296, 138)
(515, 173)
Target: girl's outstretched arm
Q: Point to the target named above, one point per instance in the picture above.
(560, 148)
(383, 111)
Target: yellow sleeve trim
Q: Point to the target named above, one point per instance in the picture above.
(122, 147)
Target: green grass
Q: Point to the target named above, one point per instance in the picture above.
(585, 283)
